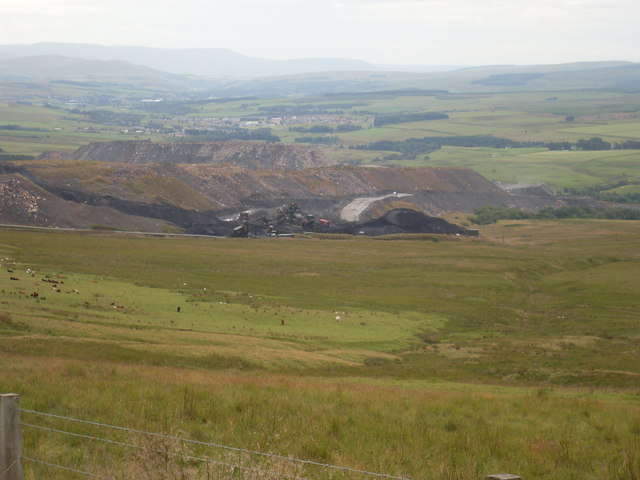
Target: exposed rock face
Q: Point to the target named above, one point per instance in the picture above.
(20, 204)
(250, 155)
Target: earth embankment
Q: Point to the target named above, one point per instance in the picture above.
(250, 155)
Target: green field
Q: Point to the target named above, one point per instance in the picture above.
(52, 129)
(517, 116)
(559, 169)
(418, 356)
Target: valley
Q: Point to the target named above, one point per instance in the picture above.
(434, 277)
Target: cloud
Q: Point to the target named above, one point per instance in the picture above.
(407, 31)
(504, 10)
(48, 7)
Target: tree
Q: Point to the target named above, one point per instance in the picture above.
(594, 143)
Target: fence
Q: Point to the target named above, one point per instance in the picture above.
(159, 456)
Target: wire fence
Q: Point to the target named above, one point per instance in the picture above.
(160, 456)
(68, 469)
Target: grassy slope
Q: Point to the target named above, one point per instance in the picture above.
(534, 306)
(384, 292)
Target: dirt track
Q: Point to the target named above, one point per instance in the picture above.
(352, 211)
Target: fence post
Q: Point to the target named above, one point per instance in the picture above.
(10, 437)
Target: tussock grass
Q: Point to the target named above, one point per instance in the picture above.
(415, 429)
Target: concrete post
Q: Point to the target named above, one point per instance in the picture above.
(10, 437)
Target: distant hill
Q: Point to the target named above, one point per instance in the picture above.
(81, 72)
(511, 78)
(212, 62)
(225, 73)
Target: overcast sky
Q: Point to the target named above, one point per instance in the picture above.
(428, 32)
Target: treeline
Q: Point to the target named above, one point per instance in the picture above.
(603, 192)
(381, 120)
(9, 157)
(322, 140)
(262, 134)
(487, 215)
(593, 143)
(21, 128)
(342, 128)
(412, 147)
(13, 156)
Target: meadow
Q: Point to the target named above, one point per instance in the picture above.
(415, 356)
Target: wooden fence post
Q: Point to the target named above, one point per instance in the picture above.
(10, 437)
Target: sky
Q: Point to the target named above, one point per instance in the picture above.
(409, 32)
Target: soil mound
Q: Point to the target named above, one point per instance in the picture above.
(250, 155)
(404, 220)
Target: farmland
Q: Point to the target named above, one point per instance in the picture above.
(419, 356)
(519, 117)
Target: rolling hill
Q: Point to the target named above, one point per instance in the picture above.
(213, 62)
(225, 73)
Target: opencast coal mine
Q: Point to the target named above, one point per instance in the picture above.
(243, 189)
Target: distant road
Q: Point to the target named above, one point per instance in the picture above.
(352, 211)
(125, 232)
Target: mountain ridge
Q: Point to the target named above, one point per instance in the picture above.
(208, 62)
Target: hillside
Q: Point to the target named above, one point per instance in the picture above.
(212, 62)
(86, 73)
(24, 202)
(148, 186)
